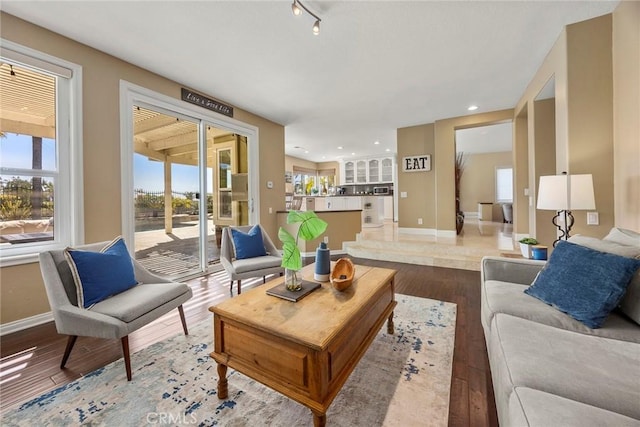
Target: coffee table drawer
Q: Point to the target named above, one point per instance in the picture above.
(266, 355)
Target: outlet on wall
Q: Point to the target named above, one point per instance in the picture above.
(326, 239)
(419, 221)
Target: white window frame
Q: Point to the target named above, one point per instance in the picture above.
(497, 184)
(69, 200)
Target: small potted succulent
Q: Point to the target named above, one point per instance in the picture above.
(525, 246)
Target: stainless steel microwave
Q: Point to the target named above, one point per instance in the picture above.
(380, 190)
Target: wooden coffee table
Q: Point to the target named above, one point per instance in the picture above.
(305, 350)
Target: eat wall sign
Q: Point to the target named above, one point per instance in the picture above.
(416, 163)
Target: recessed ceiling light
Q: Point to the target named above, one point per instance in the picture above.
(472, 107)
(306, 151)
(388, 149)
(353, 154)
(377, 142)
(340, 148)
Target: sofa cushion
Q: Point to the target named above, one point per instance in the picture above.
(584, 283)
(624, 237)
(529, 407)
(99, 275)
(509, 298)
(620, 242)
(248, 245)
(596, 371)
(139, 300)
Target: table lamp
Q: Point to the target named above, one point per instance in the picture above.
(564, 193)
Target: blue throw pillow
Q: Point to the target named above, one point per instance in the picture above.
(99, 275)
(248, 245)
(584, 283)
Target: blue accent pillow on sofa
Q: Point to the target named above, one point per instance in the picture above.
(99, 275)
(248, 245)
(584, 283)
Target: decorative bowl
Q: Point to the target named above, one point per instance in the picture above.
(342, 274)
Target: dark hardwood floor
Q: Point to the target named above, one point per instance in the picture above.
(30, 359)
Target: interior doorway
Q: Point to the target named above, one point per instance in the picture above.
(486, 182)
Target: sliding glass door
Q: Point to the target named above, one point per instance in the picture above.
(190, 179)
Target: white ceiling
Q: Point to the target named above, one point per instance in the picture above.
(376, 66)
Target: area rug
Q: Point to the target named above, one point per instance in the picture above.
(403, 380)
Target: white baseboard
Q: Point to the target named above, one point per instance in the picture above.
(449, 234)
(423, 231)
(428, 232)
(29, 322)
(472, 214)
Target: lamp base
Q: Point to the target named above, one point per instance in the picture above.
(565, 227)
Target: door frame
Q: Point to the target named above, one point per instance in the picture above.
(132, 94)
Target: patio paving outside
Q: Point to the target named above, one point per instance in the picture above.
(175, 254)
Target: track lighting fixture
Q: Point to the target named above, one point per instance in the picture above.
(296, 8)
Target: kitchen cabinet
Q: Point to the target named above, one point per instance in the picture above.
(351, 203)
(361, 172)
(387, 201)
(372, 211)
(374, 170)
(387, 169)
(348, 172)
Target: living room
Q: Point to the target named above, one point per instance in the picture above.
(595, 68)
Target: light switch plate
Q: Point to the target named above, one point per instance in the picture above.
(593, 218)
(403, 194)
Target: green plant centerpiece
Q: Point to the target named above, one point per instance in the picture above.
(311, 227)
(525, 246)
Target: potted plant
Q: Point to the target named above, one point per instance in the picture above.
(311, 227)
(525, 246)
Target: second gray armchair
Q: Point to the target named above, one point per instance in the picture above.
(245, 268)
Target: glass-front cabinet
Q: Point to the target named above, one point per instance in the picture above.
(361, 172)
(349, 173)
(374, 170)
(371, 170)
(387, 170)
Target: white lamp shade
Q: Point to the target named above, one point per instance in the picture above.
(566, 192)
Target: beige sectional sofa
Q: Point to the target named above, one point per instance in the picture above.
(549, 369)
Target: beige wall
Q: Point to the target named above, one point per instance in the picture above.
(581, 65)
(626, 114)
(22, 292)
(543, 153)
(419, 186)
(478, 183)
(431, 195)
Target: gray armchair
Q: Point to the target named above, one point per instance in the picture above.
(239, 269)
(115, 317)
